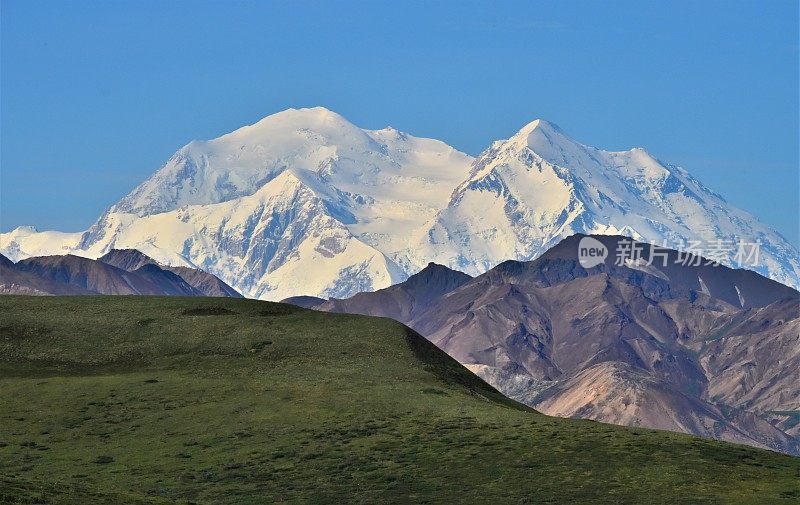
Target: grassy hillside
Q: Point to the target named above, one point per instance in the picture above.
(164, 400)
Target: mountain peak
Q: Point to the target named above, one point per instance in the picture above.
(24, 230)
(434, 273)
(277, 126)
(126, 259)
(539, 124)
(542, 137)
(317, 112)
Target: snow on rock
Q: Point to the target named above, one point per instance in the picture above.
(305, 203)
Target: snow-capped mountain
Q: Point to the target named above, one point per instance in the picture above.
(526, 193)
(304, 202)
(300, 202)
(26, 241)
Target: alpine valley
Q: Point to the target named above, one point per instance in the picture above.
(305, 203)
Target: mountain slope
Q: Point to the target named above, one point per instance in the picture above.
(26, 241)
(92, 276)
(618, 393)
(204, 282)
(752, 358)
(17, 282)
(119, 272)
(403, 301)
(165, 400)
(305, 203)
(306, 302)
(126, 259)
(713, 346)
(277, 241)
(5, 262)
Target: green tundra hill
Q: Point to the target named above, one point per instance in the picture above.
(110, 400)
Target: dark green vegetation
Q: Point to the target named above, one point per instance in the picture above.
(163, 400)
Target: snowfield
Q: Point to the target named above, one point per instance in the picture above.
(305, 203)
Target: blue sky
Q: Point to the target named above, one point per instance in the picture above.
(95, 96)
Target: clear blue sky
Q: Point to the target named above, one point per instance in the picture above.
(95, 96)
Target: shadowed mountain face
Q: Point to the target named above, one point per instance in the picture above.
(97, 277)
(696, 348)
(18, 282)
(204, 282)
(404, 301)
(127, 259)
(5, 262)
(133, 274)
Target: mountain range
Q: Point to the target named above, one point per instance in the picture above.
(698, 348)
(303, 202)
(118, 272)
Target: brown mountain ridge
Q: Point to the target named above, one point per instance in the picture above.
(120, 272)
(701, 349)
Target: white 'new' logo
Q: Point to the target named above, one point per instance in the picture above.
(591, 252)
